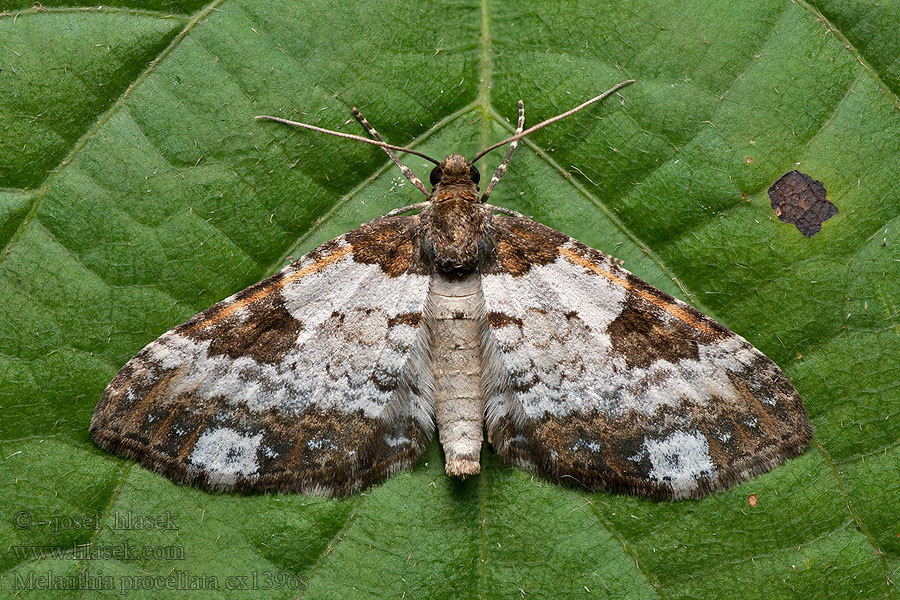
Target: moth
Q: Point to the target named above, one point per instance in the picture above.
(459, 316)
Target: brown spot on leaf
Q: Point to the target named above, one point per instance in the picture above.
(800, 200)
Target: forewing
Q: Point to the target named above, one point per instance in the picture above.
(313, 380)
(595, 378)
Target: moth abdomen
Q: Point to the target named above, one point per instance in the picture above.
(455, 308)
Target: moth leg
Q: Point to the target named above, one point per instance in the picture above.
(403, 168)
(501, 170)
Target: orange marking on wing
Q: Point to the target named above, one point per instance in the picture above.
(236, 306)
(673, 309)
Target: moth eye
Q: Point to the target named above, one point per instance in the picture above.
(436, 175)
(474, 174)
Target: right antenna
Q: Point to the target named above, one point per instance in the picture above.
(534, 128)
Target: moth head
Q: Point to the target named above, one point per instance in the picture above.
(454, 170)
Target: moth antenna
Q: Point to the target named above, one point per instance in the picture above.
(501, 170)
(349, 136)
(403, 168)
(542, 124)
(404, 209)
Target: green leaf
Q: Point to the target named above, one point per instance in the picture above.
(137, 189)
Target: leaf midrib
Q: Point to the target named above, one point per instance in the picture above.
(484, 100)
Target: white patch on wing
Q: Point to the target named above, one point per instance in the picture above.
(550, 349)
(561, 359)
(226, 455)
(318, 444)
(394, 441)
(680, 459)
(559, 285)
(345, 348)
(352, 286)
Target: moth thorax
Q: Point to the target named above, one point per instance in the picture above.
(454, 235)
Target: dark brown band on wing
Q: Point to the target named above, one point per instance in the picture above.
(266, 333)
(391, 243)
(641, 335)
(255, 292)
(315, 451)
(596, 451)
(521, 244)
(631, 283)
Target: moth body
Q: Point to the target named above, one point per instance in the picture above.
(454, 230)
(455, 309)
